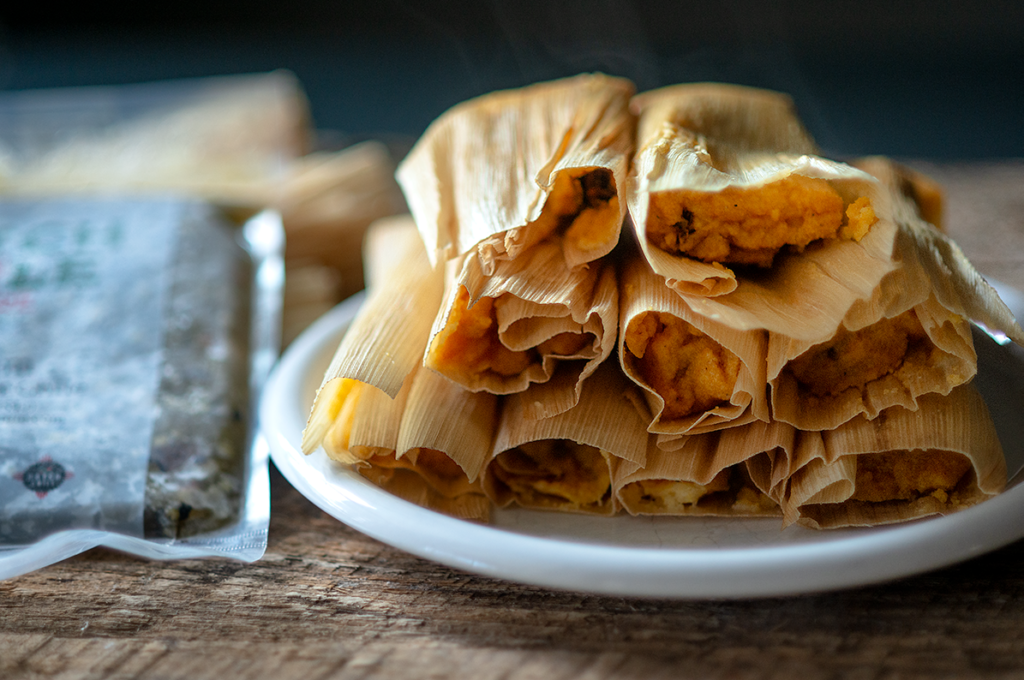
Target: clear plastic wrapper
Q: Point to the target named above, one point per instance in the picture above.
(136, 334)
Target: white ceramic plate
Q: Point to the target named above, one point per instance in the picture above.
(661, 557)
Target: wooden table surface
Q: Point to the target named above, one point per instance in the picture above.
(328, 602)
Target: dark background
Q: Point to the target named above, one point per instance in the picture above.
(923, 79)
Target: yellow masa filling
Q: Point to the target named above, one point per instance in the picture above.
(673, 497)
(469, 346)
(555, 473)
(906, 475)
(855, 358)
(440, 472)
(750, 226)
(684, 366)
(582, 208)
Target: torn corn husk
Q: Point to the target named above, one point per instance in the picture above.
(726, 182)
(533, 325)
(697, 375)
(955, 283)
(387, 338)
(899, 466)
(567, 462)
(499, 173)
(727, 472)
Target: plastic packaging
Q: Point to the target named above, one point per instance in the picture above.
(135, 335)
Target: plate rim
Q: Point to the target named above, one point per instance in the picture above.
(872, 555)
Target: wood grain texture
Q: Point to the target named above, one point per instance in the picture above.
(328, 602)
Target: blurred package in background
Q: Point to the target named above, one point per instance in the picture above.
(240, 142)
(141, 231)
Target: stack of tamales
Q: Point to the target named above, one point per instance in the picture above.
(778, 334)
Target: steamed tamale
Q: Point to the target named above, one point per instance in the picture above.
(495, 175)
(567, 462)
(407, 429)
(726, 472)
(381, 348)
(427, 445)
(911, 337)
(727, 177)
(697, 375)
(898, 466)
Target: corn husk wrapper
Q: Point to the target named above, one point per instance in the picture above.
(442, 416)
(481, 177)
(643, 291)
(819, 492)
(956, 284)
(604, 419)
(729, 472)
(710, 137)
(226, 139)
(387, 338)
(367, 423)
(536, 297)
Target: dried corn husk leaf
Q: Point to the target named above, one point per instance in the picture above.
(533, 325)
(727, 472)
(566, 462)
(710, 139)
(499, 173)
(717, 373)
(899, 466)
(442, 416)
(387, 338)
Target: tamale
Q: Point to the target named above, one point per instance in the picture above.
(534, 325)
(567, 462)
(899, 466)
(427, 445)
(726, 176)
(382, 347)
(723, 167)
(502, 172)
(726, 472)
(909, 338)
(406, 428)
(696, 375)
